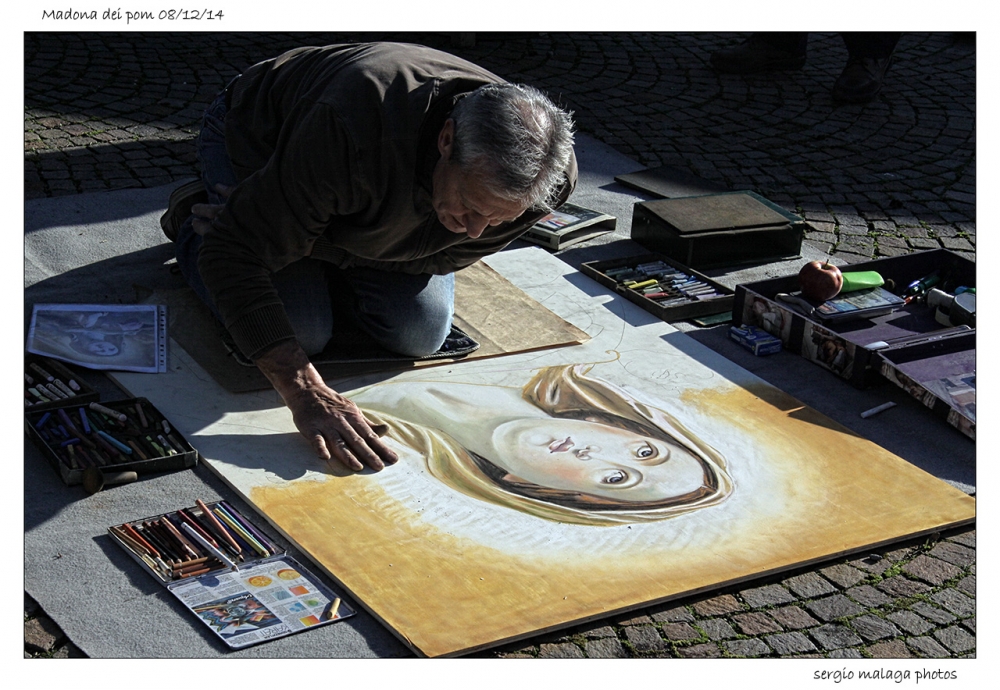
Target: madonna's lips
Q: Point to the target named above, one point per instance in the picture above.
(558, 446)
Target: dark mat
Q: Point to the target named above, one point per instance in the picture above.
(669, 182)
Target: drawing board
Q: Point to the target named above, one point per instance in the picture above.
(539, 490)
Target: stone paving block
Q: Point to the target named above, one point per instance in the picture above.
(717, 628)
(932, 613)
(910, 622)
(955, 602)
(893, 649)
(605, 648)
(717, 606)
(967, 585)
(924, 243)
(843, 575)
(756, 623)
(970, 624)
(834, 636)
(833, 607)
(41, 634)
(927, 647)
(769, 595)
(845, 654)
(871, 565)
(809, 585)
(680, 632)
(872, 628)
(931, 570)
(566, 650)
(891, 251)
(953, 553)
(866, 595)
(594, 631)
(645, 638)
(899, 586)
(956, 639)
(707, 650)
(790, 643)
(855, 230)
(793, 618)
(746, 648)
(965, 538)
(675, 614)
(883, 226)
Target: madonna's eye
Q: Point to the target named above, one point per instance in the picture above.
(645, 451)
(616, 477)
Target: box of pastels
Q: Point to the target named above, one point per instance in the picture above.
(229, 573)
(49, 385)
(662, 286)
(114, 437)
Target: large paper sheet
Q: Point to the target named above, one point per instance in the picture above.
(548, 488)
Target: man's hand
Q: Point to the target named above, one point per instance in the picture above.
(333, 424)
(204, 214)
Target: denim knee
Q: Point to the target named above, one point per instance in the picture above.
(412, 322)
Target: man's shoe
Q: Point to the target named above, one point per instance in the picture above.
(179, 207)
(755, 55)
(861, 80)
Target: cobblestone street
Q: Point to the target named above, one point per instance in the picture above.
(112, 111)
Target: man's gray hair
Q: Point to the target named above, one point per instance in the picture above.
(516, 140)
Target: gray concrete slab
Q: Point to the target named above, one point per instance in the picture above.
(94, 247)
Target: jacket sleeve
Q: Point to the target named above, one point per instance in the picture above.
(272, 219)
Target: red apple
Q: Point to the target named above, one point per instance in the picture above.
(820, 280)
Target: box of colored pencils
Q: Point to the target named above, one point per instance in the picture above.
(229, 573)
(662, 286)
(119, 436)
(48, 385)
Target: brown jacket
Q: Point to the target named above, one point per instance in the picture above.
(334, 148)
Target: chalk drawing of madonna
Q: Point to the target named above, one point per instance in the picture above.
(566, 447)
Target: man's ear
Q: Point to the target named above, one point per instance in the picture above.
(446, 139)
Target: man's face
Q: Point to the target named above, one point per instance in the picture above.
(462, 203)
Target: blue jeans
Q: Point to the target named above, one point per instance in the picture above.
(407, 314)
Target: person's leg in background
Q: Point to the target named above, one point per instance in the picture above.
(763, 52)
(869, 58)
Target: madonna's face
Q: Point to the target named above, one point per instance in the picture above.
(102, 348)
(596, 459)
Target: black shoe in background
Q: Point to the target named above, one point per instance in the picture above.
(861, 80)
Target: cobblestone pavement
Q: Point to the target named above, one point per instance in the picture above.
(111, 111)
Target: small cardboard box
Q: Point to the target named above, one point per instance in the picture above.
(718, 229)
(693, 308)
(757, 341)
(867, 351)
(43, 428)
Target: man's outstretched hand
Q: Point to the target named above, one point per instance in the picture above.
(333, 424)
(204, 214)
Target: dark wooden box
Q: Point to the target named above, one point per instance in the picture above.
(718, 229)
(185, 457)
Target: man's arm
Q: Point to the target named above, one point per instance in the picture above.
(333, 424)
